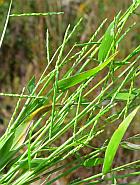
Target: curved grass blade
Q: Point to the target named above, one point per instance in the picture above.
(73, 80)
(115, 141)
(107, 40)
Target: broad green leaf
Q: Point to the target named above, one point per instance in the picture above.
(115, 141)
(93, 162)
(130, 146)
(107, 40)
(73, 80)
(106, 43)
(31, 85)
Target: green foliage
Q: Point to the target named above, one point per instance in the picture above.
(106, 42)
(71, 81)
(115, 141)
(93, 162)
(56, 122)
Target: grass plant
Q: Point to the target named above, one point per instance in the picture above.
(59, 118)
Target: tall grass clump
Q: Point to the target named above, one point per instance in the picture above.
(65, 111)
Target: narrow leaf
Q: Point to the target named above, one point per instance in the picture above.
(115, 141)
(73, 80)
(107, 40)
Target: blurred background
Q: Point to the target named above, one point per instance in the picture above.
(23, 53)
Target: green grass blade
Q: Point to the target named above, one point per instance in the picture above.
(106, 42)
(115, 141)
(76, 79)
(6, 23)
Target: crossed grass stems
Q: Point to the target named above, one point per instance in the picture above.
(42, 135)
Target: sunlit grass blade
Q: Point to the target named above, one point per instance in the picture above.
(107, 40)
(76, 79)
(6, 23)
(106, 43)
(115, 141)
